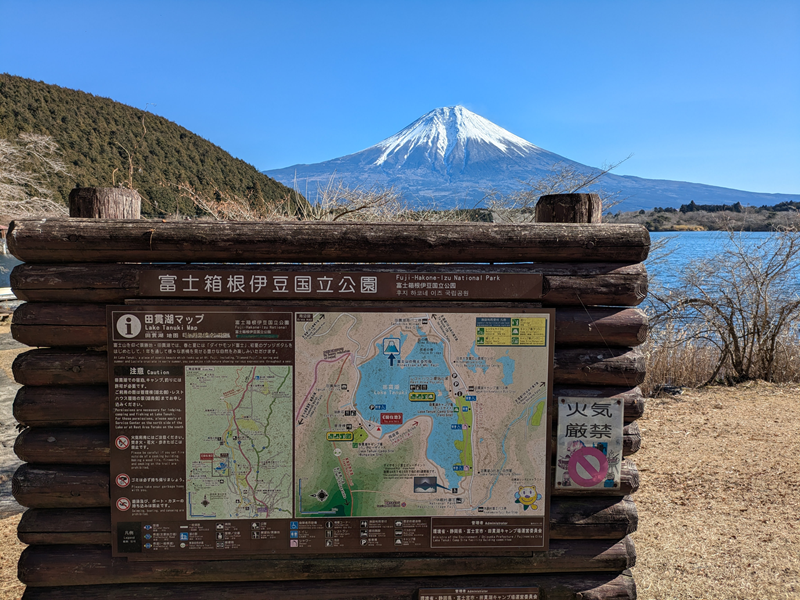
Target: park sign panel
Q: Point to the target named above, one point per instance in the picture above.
(243, 430)
(268, 284)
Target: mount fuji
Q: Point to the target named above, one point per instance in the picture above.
(452, 156)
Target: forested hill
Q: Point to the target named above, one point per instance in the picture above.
(96, 134)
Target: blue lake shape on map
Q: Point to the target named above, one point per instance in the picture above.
(508, 364)
(377, 373)
(475, 362)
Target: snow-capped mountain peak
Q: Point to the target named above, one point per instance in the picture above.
(452, 157)
(446, 130)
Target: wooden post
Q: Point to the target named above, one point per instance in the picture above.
(569, 208)
(105, 203)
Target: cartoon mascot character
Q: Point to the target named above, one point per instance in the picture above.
(527, 496)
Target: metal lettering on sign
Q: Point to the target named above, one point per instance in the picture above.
(249, 431)
(326, 285)
(589, 448)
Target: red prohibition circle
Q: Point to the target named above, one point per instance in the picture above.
(594, 473)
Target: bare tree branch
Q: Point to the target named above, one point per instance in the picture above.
(518, 207)
(745, 301)
(26, 166)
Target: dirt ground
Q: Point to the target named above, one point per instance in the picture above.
(10, 587)
(719, 506)
(10, 546)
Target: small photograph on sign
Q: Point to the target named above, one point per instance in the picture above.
(425, 485)
(589, 454)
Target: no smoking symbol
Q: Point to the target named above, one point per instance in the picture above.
(123, 504)
(588, 467)
(123, 480)
(122, 442)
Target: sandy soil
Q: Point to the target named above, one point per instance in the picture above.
(10, 587)
(719, 506)
(10, 546)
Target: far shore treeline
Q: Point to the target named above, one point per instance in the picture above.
(713, 217)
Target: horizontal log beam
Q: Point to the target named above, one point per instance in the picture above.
(90, 445)
(65, 526)
(64, 406)
(564, 284)
(87, 486)
(87, 406)
(64, 446)
(61, 486)
(45, 324)
(579, 366)
(610, 518)
(94, 565)
(598, 366)
(59, 336)
(600, 327)
(60, 367)
(574, 586)
(104, 240)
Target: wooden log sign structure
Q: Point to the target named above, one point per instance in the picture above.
(325, 410)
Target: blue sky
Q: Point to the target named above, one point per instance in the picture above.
(707, 92)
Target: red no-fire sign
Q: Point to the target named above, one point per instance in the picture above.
(588, 467)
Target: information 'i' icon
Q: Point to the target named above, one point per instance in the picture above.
(129, 326)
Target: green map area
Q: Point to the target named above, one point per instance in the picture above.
(238, 442)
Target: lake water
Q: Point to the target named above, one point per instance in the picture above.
(425, 363)
(7, 263)
(686, 246)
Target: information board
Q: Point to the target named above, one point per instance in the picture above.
(273, 430)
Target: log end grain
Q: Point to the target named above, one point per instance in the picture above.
(105, 203)
(569, 208)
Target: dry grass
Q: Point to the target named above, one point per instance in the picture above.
(685, 364)
(720, 495)
(10, 587)
(673, 359)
